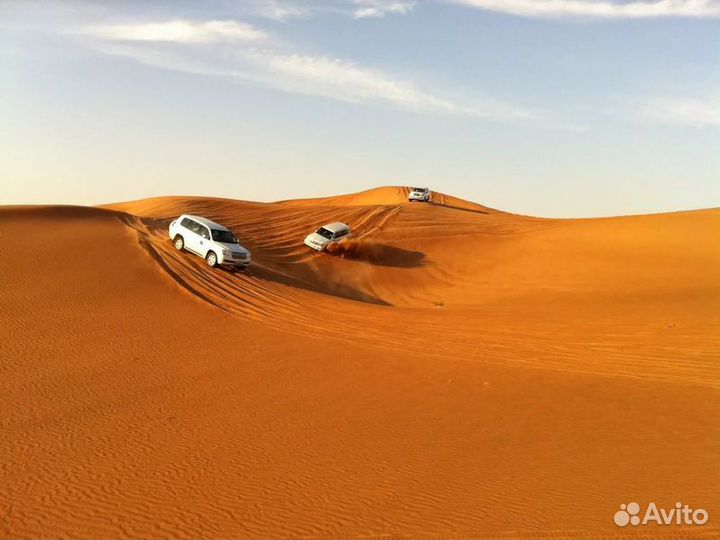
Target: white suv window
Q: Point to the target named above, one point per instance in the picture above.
(193, 226)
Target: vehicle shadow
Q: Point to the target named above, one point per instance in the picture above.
(377, 254)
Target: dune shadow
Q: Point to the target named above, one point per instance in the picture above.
(330, 288)
(56, 212)
(377, 254)
(455, 207)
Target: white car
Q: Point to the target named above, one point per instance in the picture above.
(326, 235)
(421, 194)
(213, 242)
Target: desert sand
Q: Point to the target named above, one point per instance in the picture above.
(456, 371)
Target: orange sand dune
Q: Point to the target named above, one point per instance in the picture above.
(454, 371)
(389, 195)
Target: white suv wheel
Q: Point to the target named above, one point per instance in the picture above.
(211, 259)
(179, 244)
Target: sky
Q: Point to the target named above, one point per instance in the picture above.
(557, 108)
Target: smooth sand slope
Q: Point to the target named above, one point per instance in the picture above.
(455, 371)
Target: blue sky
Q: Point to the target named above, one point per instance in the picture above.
(542, 107)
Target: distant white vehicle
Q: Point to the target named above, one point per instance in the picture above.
(210, 240)
(421, 194)
(326, 235)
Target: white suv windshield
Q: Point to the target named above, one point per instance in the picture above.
(322, 231)
(226, 237)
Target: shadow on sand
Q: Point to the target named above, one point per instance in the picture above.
(456, 207)
(377, 254)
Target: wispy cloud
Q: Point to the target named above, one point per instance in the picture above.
(341, 79)
(178, 31)
(599, 8)
(682, 111)
(214, 48)
(381, 8)
(283, 10)
(277, 10)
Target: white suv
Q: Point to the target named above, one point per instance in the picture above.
(213, 242)
(421, 194)
(326, 235)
